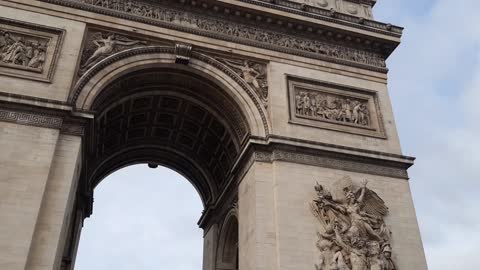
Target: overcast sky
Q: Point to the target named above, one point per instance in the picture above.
(434, 84)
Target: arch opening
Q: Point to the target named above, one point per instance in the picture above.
(135, 225)
(169, 117)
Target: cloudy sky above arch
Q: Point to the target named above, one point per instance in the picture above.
(434, 84)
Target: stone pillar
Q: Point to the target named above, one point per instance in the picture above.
(56, 208)
(256, 218)
(25, 161)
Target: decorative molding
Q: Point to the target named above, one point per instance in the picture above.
(353, 233)
(328, 46)
(321, 158)
(30, 119)
(183, 53)
(29, 50)
(252, 72)
(89, 74)
(336, 107)
(360, 9)
(329, 15)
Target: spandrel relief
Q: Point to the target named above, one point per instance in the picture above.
(28, 50)
(329, 106)
(100, 45)
(253, 73)
(353, 235)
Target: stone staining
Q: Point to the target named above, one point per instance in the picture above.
(253, 73)
(100, 45)
(330, 107)
(354, 235)
(18, 50)
(234, 30)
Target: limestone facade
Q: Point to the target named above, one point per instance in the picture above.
(255, 102)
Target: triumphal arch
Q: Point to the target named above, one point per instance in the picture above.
(277, 112)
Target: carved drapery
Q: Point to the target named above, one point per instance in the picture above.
(353, 232)
(327, 48)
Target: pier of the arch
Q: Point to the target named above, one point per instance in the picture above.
(275, 111)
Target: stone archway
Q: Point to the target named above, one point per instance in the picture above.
(227, 251)
(266, 105)
(195, 119)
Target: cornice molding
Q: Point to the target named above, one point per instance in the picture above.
(334, 157)
(275, 33)
(330, 16)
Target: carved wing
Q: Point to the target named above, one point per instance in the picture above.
(373, 204)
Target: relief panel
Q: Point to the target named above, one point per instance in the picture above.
(28, 50)
(335, 107)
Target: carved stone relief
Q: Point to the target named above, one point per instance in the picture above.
(353, 235)
(101, 44)
(28, 50)
(254, 73)
(245, 33)
(325, 106)
(349, 7)
(334, 107)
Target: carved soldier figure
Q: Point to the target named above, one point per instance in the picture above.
(375, 259)
(298, 103)
(387, 258)
(306, 104)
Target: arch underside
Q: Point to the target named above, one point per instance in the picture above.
(169, 117)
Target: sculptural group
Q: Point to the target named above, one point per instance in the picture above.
(354, 236)
(334, 108)
(23, 51)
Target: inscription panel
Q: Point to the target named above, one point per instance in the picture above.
(28, 50)
(335, 107)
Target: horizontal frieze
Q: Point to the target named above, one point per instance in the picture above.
(350, 51)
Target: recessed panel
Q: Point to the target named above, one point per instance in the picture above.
(335, 107)
(28, 50)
